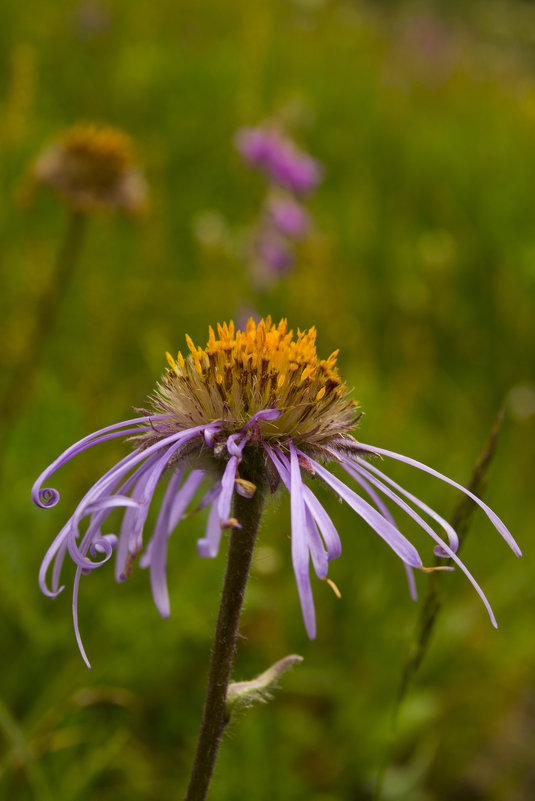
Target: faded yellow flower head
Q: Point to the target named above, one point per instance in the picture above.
(93, 167)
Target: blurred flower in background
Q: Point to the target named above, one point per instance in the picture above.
(91, 19)
(429, 49)
(270, 151)
(288, 217)
(93, 167)
(292, 176)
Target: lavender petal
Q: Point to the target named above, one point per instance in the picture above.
(47, 497)
(175, 503)
(299, 545)
(158, 547)
(392, 536)
(227, 488)
(450, 531)
(208, 546)
(444, 546)
(326, 526)
(385, 511)
(493, 517)
(76, 585)
(317, 551)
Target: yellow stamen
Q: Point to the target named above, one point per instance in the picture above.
(333, 587)
(190, 344)
(434, 569)
(265, 366)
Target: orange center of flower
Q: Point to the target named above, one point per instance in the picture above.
(263, 354)
(239, 373)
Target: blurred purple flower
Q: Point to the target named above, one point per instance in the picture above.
(288, 217)
(278, 157)
(292, 174)
(256, 146)
(273, 252)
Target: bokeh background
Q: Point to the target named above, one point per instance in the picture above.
(420, 267)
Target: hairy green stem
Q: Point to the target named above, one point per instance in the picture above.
(248, 511)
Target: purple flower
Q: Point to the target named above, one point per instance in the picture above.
(278, 157)
(256, 146)
(288, 217)
(253, 410)
(273, 253)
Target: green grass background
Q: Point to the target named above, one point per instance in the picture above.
(421, 268)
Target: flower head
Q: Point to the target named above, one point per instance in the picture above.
(249, 412)
(93, 167)
(269, 150)
(288, 217)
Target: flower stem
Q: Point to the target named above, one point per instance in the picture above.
(22, 379)
(461, 520)
(248, 511)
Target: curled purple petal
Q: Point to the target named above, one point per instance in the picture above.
(46, 497)
(106, 483)
(105, 544)
(263, 414)
(77, 553)
(236, 443)
(209, 432)
(56, 551)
